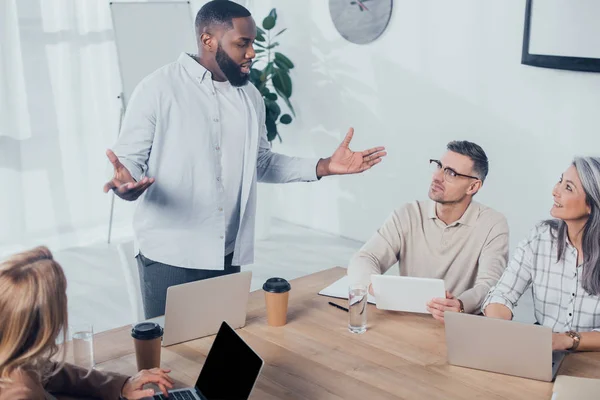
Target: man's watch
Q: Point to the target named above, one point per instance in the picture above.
(462, 307)
(576, 339)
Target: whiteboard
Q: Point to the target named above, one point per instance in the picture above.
(149, 35)
(565, 28)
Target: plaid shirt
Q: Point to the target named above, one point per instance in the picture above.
(559, 300)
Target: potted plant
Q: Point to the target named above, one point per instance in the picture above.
(270, 74)
(273, 80)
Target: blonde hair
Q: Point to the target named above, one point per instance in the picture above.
(33, 312)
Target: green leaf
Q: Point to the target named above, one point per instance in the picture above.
(262, 46)
(282, 82)
(280, 59)
(273, 108)
(260, 31)
(271, 96)
(260, 38)
(286, 119)
(280, 32)
(255, 75)
(273, 45)
(273, 13)
(287, 101)
(258, 51)
(271, 125)
(266, 72)
(268, 23)
(272, 135)
(280, 66)
(264, 91)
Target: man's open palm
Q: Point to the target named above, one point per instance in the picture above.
(345, 161)
(123, 183)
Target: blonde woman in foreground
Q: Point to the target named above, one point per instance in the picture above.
(560, 260)
(33, 313)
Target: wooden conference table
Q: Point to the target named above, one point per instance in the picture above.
(401, 356)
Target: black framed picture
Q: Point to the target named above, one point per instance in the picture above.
(562, 34)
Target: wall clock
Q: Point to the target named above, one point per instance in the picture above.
(360, 21)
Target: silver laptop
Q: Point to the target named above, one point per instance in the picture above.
(230, 371)
(506, 347)
(197, 309)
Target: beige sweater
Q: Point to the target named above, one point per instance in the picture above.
(470, 255)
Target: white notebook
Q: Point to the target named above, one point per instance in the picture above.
(339, 290)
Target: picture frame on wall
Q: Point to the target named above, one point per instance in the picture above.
(562, 34)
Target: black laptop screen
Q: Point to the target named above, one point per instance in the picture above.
(231, 368)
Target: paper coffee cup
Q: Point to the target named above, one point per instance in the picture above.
(277, 292)
(147, 341)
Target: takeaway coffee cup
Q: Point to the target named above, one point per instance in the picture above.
(147, 340)
(277, 292)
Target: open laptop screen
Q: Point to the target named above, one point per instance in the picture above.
(231, 368)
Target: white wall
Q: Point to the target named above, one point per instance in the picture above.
(442, 71)
(59, 111)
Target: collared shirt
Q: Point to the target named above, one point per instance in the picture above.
(469, 254)
(172, 132)
(559, 300)
(233, 137)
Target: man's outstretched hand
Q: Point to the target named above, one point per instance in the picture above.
(345, 161)
(123, 183)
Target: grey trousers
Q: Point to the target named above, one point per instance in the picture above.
(156, 277)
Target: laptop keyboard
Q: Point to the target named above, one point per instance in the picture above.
(557, 356)
(182, 395)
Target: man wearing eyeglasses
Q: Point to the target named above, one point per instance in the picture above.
(450, 236)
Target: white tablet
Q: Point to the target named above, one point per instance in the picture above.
(401, 293)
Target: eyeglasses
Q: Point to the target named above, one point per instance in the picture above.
(449, 174)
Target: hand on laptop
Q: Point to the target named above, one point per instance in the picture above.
(437, 306)
(134, 387)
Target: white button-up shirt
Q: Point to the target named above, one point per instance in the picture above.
(559, 300)
(171, 132)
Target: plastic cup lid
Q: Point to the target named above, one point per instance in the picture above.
(277, 285)
(146, 331)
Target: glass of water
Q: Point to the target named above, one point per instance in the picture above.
(357, 307)
(82, 336)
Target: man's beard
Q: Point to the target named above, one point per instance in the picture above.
(232, 71)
